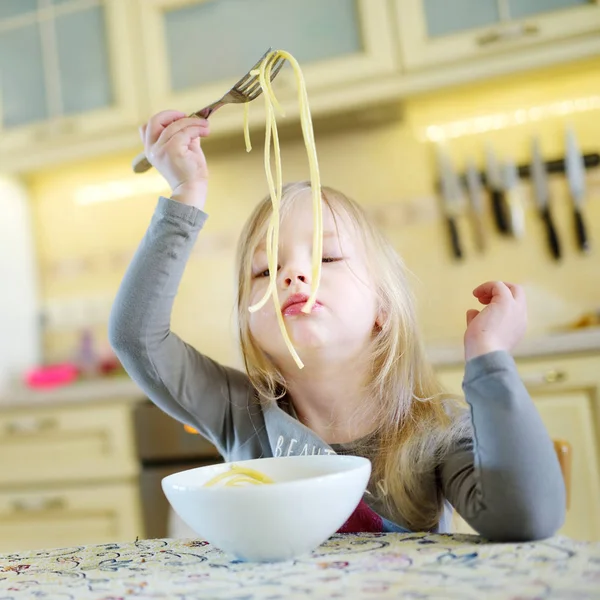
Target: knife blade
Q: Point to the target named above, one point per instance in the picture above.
(494, 182)
(475, 193)
(452, 196)
(516, 214)
(575, 170)
(542, 197)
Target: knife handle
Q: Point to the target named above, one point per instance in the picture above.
(454, 239)
(478, 231)
(552, 236)
(499, 210)
(582, 238)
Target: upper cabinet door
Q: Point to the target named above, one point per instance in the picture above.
(336, 42)
(65, 71)
(442, 31)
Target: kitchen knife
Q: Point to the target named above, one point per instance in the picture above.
(575, 170)
(515, 212)
(475, 191)
(542, 197)
(452, 198)
(494, 182)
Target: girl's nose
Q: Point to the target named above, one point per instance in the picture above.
(294, 277)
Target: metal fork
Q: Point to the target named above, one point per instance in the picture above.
(245, 90)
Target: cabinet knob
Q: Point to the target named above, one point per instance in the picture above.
(547, 377)
(30, 505)
(30, 426)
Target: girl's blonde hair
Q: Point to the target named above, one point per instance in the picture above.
(416, 422)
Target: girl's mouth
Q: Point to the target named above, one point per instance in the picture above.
(295, 303)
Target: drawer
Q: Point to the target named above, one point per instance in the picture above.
(76, 443)
(67, 517)
(560, 372)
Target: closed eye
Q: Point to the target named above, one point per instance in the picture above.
(265, 273)
(326, 259)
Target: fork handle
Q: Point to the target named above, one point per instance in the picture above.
(141, 164)
(208, 110)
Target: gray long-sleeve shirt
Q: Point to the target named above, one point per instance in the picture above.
(505, 482)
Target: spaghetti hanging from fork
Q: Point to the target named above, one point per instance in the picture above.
(276, 185)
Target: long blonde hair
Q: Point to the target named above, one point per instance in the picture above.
(416, 422)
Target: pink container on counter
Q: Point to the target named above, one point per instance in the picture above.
(52, 376)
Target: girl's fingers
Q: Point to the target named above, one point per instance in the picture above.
(142, 130)
(484, 289)
(158, 123)
(471, 314)
(488, 290)
(180, 125)
(187, 135)
(516, 290)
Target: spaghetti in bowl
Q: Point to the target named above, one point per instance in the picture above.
(309, 499)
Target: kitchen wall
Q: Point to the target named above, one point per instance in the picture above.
(389, 166)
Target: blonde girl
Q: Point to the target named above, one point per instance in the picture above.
(366, 387)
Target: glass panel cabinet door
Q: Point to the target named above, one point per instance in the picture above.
(85, 75)
(526, 8)
(230, 34)
(67, 72)
(53, 60)
(22, 84)
(445, 18)
(439, 32)
(336, 42)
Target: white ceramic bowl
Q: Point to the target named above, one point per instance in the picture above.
(312, 498)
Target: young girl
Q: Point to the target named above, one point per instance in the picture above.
(366, 387)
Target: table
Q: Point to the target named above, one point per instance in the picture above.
(367, 566)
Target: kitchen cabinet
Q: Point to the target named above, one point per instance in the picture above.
(78, 444)
(566, 391)
(77, 77)
(68, 516)
(70, 475)
(339, 43)
(67, 76)
(433, 33)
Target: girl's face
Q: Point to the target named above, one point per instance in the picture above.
(341, 322)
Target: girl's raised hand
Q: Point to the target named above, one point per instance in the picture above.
(172, 145)
(500, 324)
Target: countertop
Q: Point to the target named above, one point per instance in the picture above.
(365, 566)
(120, 388)
(571, 342)
(441, 355)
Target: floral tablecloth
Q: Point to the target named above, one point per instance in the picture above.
(369, 566)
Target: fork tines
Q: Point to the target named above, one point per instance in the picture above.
(249, 85)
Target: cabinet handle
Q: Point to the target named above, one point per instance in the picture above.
(514, 31)
(30, 426)
(36, 505)
(547, 377)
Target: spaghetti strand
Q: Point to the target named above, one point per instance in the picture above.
(275, 185)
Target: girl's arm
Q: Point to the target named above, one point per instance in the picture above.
(506, 483)
(185, 384)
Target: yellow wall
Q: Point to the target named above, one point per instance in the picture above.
(389, 165)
